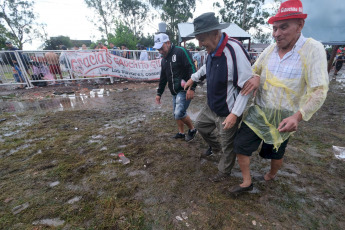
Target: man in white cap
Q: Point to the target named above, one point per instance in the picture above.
(177, 67)
(293, 86)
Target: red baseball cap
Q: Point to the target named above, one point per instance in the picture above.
(288, 10)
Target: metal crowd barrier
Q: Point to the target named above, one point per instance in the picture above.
(40, 68)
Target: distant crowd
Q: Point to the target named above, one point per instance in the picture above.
(50, 65)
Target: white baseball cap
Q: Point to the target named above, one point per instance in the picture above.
(160, 39)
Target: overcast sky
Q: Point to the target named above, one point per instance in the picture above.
(70, 18)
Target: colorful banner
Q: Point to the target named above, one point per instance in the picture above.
(102, 63)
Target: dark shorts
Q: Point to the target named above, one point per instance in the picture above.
(338, 66)
(246, 142)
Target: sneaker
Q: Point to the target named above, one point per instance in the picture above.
(207, 153)
(179, 136)
(191, 134)
(219, 177)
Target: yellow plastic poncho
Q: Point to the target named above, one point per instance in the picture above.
(279, 98)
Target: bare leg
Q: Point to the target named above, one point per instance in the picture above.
(186, 120)
(180, 126)
(244, 162)
(275, 166)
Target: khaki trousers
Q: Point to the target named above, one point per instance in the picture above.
(206, 123)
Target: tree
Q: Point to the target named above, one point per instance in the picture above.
(18, 21)
(105, 11)
(245, 13)
(135, 14)
(124, 35)
(54, 43)
(174, 12)
(3, 36)
(262, 37)
(190, 45)
(147, 40)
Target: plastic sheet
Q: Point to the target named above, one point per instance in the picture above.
(279, 98)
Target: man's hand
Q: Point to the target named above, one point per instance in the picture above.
(188, 84)
(290, 124)
(230, 121)
(190, 94)
(251, 85)
(158, 100)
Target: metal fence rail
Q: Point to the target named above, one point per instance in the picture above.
(40, 68)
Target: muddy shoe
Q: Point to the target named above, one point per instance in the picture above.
(179, 136)
(219, 177)
(191, 134)
(207, 153)
(237, 189)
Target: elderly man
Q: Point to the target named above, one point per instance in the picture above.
(227, 69)
(177, 67)
(293, 86)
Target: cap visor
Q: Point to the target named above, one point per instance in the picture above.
(158, 45)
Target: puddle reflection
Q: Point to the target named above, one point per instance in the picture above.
(95, 98)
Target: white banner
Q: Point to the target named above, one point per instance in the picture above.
(102, 63)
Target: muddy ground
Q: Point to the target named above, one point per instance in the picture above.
(59, 167)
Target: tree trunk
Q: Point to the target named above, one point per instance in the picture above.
(244, 13)
(334, 52)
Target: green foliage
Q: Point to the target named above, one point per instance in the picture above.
(135, 14)
(147, 40)
(262, 37)
(190, 45)
(234, 10)
(54, 42)
(124, 35)
(105, 15)
(174, 12)
(3, 36)
(17, 19)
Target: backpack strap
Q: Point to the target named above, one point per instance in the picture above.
(234, 60)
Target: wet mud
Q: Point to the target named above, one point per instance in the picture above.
(59, 165)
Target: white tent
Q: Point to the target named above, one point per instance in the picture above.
(233, 30)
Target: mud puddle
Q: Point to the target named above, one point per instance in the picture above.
(62, 101)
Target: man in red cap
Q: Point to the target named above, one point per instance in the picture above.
(293, 86)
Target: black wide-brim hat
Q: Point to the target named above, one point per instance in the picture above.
(207, 22)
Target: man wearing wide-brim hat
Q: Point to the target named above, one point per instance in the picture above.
(293, 86)
(227, 69)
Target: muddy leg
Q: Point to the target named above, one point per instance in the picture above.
(275, 166)
(244, 162)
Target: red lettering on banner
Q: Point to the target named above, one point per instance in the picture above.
(108, 57)
(100, 57)
(72, 63)
(86, 62)
(115, 60)
(91, 60)
(80, 62)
